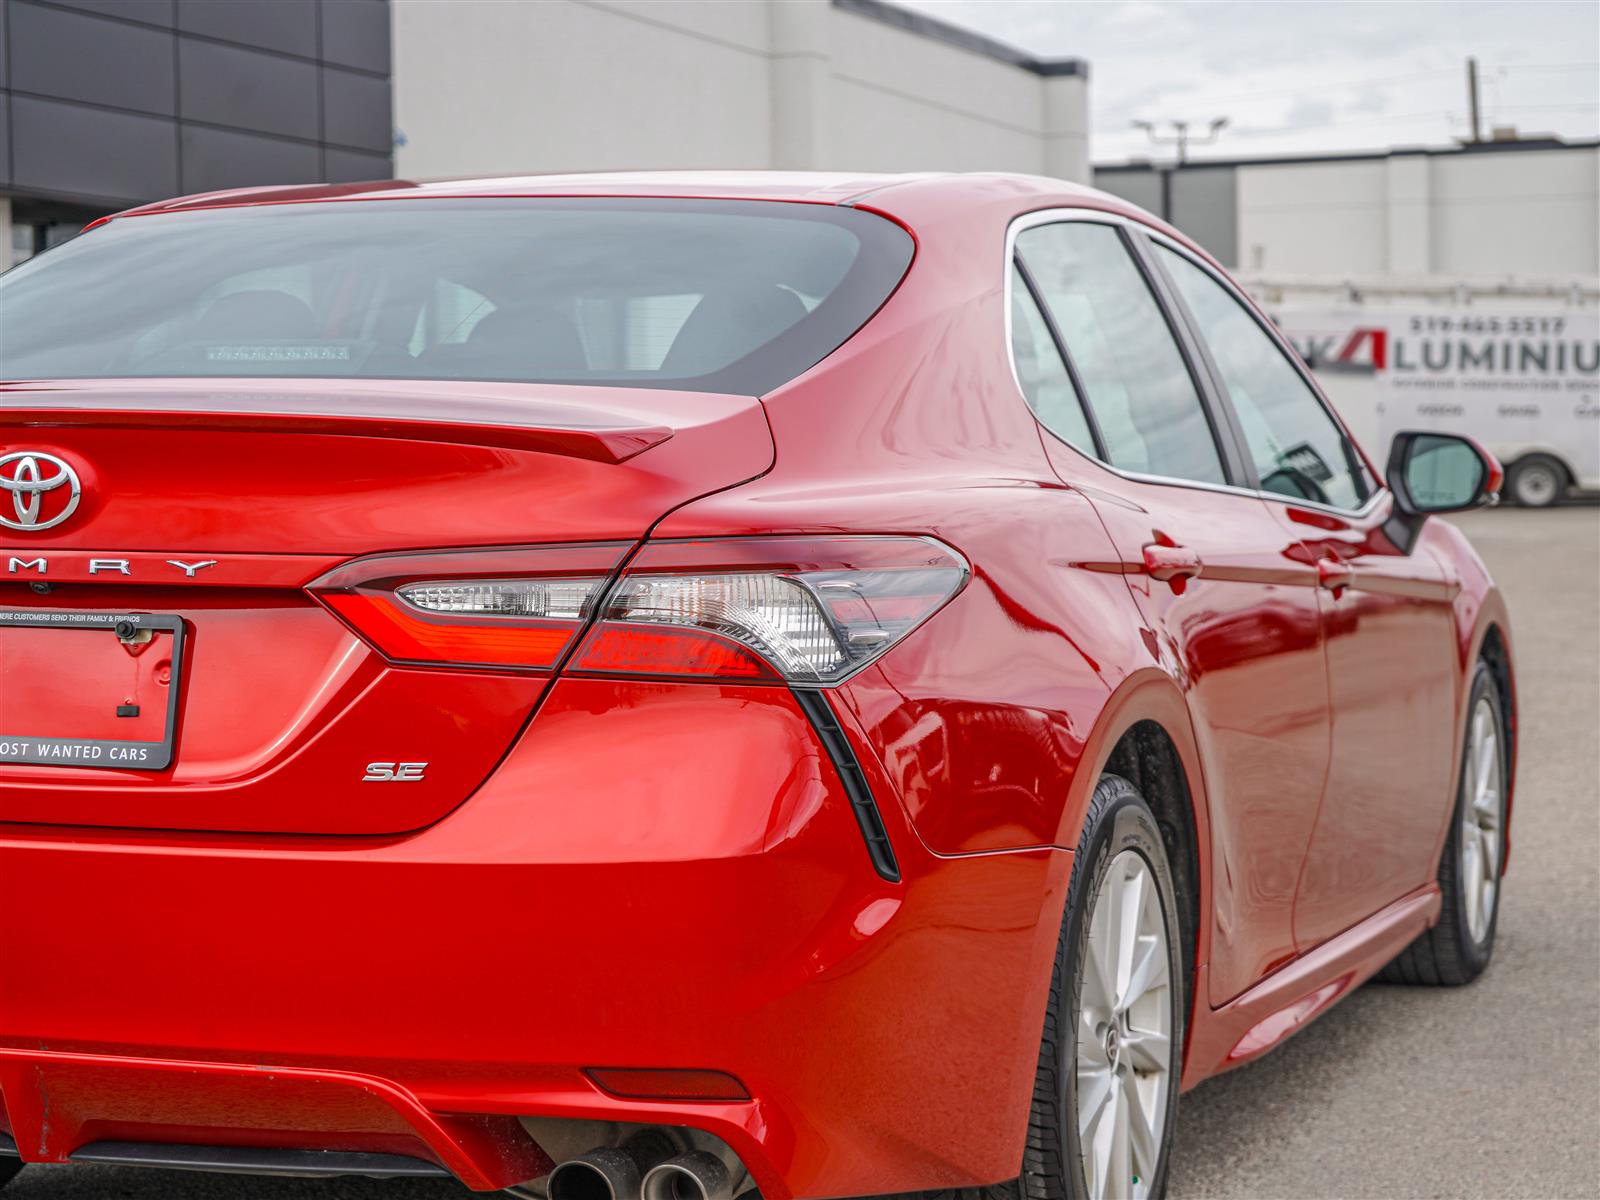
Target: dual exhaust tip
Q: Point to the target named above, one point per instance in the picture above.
(608, 1173)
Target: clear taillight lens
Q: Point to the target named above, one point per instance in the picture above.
(816, 611)
(556, 599)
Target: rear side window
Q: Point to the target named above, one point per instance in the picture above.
(1041, 372)
(1298, 449)
(729, 296)
(1145, 401)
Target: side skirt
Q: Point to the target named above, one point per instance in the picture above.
(1299, 993)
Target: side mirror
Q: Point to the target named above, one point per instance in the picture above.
(1441, 472)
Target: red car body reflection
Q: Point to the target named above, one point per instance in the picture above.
(254, 947)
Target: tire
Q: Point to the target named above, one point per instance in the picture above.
(1120, 837)
(1458, 948)
(1536, 481)
(10, 1168)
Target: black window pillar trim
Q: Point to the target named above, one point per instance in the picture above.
(837, 745)
(1021, 267)
(1226, 427)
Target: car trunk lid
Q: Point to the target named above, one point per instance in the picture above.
(218, 502)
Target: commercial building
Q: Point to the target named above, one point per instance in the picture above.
(486, 86)
(107, 103)
(110, 103)
(1519, 208)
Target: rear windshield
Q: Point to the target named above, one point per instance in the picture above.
(728, 296)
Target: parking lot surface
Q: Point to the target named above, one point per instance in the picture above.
(1492, 1090)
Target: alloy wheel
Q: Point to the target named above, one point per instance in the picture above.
(1481, 820)
(1124, 1034)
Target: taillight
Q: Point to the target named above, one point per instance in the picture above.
(802, 610)
(518, 609)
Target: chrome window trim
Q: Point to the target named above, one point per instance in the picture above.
(1056, 216)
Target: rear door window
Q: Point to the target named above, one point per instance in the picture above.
(1145, 401)
(1041, 372)
(1298, 448)
(729, 296)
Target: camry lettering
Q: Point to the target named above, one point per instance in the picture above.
(40, 565)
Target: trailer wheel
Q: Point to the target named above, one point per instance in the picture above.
(1536, 481)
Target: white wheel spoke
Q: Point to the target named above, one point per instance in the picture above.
(1149, 1051)
(1129, 900)
(1097, 997)
(1141, 1138)
(1119, 1170)
(1149, 971)
(1091, 1048)
(1094, 1090)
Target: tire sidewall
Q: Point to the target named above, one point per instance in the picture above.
(1121, 822)
(1530, 465)
(1475, 955)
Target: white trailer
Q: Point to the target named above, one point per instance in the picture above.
(1514, 365)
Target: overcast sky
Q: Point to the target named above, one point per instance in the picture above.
(1307, 76)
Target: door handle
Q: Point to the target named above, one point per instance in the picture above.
(1171, 564)
(1333, 575)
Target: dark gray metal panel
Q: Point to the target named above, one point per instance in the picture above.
(152, 12)
(1205, 205)
(355, 110)
(286, 25)
(352, 166)
(5, 141)
(92, 152)
(355, 33)
(227, 85)
(1142, 188)
(79, 56)
(3, 55)
(220, 158)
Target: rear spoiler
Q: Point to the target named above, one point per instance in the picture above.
(580, 428)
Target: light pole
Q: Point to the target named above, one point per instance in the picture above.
(1182, 139)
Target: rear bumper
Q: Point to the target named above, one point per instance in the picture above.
(657, 876)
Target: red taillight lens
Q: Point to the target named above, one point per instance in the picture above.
(802, 610)
(798, 609)
(517, 609)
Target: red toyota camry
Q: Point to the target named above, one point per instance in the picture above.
(691, 686)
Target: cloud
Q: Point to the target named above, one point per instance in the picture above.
(1308, 76)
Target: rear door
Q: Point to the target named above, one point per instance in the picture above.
(1387, 616)
(1229, 600)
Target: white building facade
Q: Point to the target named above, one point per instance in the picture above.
(1526, 209)
(491, 87)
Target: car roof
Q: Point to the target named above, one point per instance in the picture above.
(815, 187)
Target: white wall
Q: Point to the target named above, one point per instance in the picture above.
(1513, 213)
(1532, 212)
(518, 86)
(1313, 218)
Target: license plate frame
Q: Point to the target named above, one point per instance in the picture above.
(24, 749)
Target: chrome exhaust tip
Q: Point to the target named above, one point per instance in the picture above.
(604, 1173)
(696, 1176)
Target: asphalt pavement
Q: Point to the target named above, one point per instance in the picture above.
(1491, 1091)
